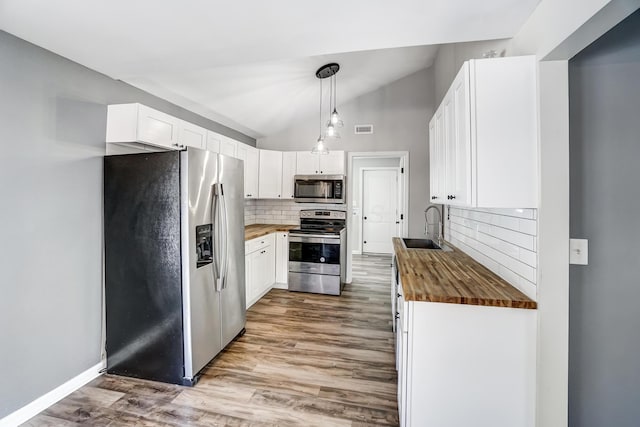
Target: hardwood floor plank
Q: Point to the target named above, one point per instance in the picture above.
(305, 360)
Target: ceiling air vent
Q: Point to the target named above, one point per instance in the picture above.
(363, 129)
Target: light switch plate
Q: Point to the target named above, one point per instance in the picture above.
(579, 251)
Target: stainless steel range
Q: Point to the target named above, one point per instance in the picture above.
(317, 252)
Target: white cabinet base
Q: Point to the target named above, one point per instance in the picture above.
(469, 365)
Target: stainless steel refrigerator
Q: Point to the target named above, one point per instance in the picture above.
(174, 262)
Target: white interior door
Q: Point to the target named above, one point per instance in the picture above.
(379, 210)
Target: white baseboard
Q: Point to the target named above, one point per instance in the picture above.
(43, 402)
(280, 286)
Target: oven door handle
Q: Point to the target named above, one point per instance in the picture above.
(314, 238)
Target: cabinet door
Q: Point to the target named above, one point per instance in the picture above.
(270, 270)
(449, 149)
(288, 173)
(228, 146)
(213, 141)
(332, 163)
(250, 157)
(402, 343)
(282, 257)
(434, 166)
(248, 279)
(270, 174)
(439, 158)
(264, 270)
(191, 135)
(307, 163)
(157, 128)
(460, 126)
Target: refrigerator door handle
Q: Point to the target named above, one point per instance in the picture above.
(225, 236)
(217, 259)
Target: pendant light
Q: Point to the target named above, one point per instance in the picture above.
(328, 70)
(335, 119)
(319, 147)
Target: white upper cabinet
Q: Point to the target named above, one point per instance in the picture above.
(487, 127)
(288, 173)
(213, 141)
(250, 156)
(308, 163)
(437, 158)
(190, 135)
(228, 146)
(139, 123)
(270, 174)
(332, 163)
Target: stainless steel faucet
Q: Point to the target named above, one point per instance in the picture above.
(427, 224)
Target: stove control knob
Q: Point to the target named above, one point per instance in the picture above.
(322, 259)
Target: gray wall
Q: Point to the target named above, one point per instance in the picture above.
(400, 113)
(52, 122)
(604, 318)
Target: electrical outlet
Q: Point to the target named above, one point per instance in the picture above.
(578, 251)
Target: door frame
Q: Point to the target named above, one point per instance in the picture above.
(361, 199)
(404, 194)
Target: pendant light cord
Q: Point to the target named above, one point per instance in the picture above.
(335, 92)
(320, 107)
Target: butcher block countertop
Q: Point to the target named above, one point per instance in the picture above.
(453, 277)
(258, 230)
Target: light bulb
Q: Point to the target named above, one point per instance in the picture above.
(335, 116)
(331, 130)
(320, 148)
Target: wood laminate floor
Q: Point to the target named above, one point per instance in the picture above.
(305, 360)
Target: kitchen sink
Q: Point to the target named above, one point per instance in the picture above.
(423, 244)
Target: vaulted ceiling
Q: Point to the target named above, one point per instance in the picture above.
(251, 64)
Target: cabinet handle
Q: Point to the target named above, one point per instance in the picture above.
(321, 171)
(278, 195)
(433, 197)
(365, 217)
(316, 171)
(453, 197)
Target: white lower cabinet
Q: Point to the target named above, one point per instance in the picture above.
(282, 260)
(260, 267)
(465, 365)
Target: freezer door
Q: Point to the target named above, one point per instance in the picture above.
(201, 300)
(233, 307)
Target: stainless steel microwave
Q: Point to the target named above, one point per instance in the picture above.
(319, 189)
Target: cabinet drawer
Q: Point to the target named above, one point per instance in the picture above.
(258, 243)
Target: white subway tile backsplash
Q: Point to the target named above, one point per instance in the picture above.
(257, 211)
(528, 226)
(503, 240)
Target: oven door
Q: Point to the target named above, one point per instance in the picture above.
(315, 254)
